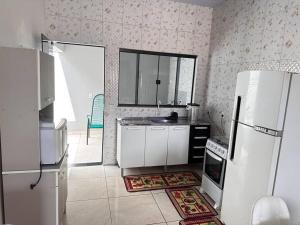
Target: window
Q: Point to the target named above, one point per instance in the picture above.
(151, 78)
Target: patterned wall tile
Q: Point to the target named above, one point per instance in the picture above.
(92, 9)
(151, 13)
(291, 47)
(170, 15)
(91, 32)
(187, 17)
(112, 33)
(52, 24)
(69, 29)
(132, 37)
(168, 40)
(113, 11)
(203, 20)
(185, 42)
(133, 12)
(150, 39)
(70, 8)
(51, 7)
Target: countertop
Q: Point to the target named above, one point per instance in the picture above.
(146, 121)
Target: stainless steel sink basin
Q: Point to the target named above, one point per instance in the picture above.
(162, 120)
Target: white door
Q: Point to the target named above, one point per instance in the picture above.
(132, 146)
(263, 98)
(178, 145)
(156, 145)
(249, 174)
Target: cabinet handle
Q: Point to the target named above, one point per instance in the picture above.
(133, 128)
(198, 157)
(158, 128)
(198, 147)
(201, 137)
(179, 128)
(201, 128)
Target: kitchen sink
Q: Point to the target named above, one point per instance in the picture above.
(162, 120)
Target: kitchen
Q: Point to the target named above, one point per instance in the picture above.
(233, 36)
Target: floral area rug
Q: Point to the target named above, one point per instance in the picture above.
(206, 221)
(190, 204)
(148, 182)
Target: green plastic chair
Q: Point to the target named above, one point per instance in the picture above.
(95, 119)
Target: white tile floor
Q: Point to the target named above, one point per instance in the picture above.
(97, 196)
(80, 152)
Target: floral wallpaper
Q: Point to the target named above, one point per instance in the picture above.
(156, 25)
(249, 34)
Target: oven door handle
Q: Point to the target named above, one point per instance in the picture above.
(214, 156)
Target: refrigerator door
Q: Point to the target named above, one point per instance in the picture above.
(249, 174)
(263, 98)
(287, 183)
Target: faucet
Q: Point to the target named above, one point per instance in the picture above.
(158, 105)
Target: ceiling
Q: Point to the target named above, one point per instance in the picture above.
(209, 3)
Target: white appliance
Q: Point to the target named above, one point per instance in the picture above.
(263, 156)
(53, 140)
(214, 168)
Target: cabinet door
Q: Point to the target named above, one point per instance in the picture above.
(156, 145)
(132, 146)
(178, 145)
(46, 80)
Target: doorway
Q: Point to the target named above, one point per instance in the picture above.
(79, 97)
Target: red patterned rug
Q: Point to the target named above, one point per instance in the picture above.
(207, 221)
(161, 181)
(190, 204)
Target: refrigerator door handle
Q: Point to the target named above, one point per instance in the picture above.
(268, 131)
(235, 127)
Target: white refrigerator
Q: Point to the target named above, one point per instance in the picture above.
(264, 101)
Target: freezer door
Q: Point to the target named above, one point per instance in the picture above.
(249, 174)
(263, 98)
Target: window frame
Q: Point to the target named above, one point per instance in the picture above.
(139, 52)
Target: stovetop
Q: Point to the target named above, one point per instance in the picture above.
(218, 145)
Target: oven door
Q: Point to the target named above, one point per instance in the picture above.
(214, 168)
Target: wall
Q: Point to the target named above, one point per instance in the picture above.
(20, 25)
(249, 34)
(79, 76)
(157, 25)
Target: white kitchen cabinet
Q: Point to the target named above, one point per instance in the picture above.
(178, 145)
(156, 145)
(131, 147)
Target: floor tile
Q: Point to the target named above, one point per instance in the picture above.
(166, 207)
(86, 189)
(87, 172)
(116, 188)
(173, 223)
(135, 210)
(92, 212)
(115, 171)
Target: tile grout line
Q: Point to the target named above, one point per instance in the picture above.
(158, 207)
(108, 199)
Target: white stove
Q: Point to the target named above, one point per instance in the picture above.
(214, 168)
(218, 145)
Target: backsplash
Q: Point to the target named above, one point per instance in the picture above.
(249, 35)
(156, 25)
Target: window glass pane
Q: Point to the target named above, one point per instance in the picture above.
(128, 74)
(167, 77)
(185, 80)
(148, 72)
